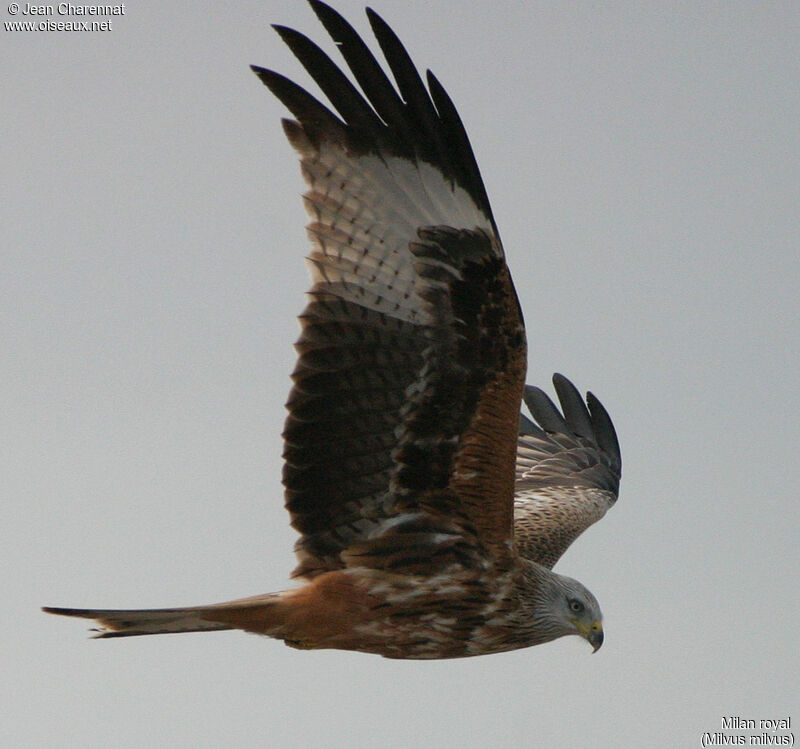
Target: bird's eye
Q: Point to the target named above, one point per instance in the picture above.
(575, 606)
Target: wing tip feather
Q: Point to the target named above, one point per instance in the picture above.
(587, 419)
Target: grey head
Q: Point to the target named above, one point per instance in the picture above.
(564, 606)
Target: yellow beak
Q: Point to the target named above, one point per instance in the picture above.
(592, 633)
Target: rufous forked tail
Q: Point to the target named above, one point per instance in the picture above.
(257, 614)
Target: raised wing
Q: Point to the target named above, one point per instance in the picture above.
(402, 426)
(568, 471)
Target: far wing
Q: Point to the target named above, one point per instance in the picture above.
(567, 473)
(401, 434)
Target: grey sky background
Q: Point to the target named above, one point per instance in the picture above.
(642, 163)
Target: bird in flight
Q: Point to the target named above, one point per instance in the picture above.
(430, 512)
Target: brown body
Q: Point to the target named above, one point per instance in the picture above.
(396, 616)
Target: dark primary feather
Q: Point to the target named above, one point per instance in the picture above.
(334, 84)
(408, 124)
(368, 73)
(578, 448)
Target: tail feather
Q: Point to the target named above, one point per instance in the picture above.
(131, 622)
(127, 623)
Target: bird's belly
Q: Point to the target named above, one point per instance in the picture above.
(454, 614)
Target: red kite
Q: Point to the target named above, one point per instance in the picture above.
(430, 515)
